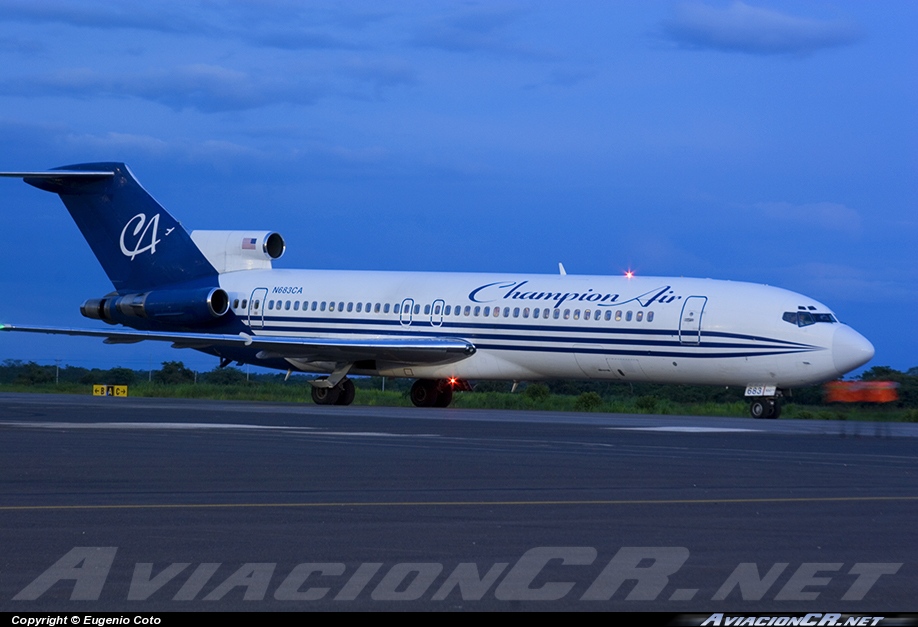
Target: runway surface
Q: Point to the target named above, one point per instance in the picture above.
(157, 505)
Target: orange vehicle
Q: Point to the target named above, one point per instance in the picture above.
(861, 391)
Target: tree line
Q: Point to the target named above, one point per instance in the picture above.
(17, 372)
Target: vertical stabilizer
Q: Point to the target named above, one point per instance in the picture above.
(139, 244)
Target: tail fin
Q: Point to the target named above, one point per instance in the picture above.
(139, 244)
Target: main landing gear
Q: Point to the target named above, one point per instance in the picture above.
(424, 392)
(341, 394)
(765, 408)
(436, 392)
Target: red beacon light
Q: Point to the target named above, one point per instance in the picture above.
(629, 274)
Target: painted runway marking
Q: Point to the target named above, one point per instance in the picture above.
(687, 429)
(815, 500)
(186, 426)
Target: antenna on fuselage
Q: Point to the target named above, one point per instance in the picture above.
(561, 269)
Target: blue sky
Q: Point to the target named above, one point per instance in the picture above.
(773, 142)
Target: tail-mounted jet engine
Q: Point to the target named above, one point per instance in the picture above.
(181, 307)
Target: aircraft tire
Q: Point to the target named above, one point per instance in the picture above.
(346, 392)
(775, 409)
(761, 408)
(424, 393)
(444, 396)
(325, 396)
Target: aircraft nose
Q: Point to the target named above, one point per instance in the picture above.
(850, 349)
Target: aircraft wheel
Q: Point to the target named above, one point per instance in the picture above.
(444, 396)
(761, 409)
(775, 409)
(424, 393)
(325, 396)
(346, 392)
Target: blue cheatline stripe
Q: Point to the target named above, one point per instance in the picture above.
(424, 327)
(306, 327)
(637, 353)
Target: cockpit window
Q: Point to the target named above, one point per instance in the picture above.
(805, 318)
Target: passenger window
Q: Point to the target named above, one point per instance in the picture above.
(627, 316)
(468, 310)
(545, 313)
(313, 306)
(506, 312)
(322, 306)
(567, 314)
(341, 306)
(236, 304)
(618, 315)
(417, 309)
(477, 311)
(296, 305)
(535, 312)
(244, 302)
(395, 308)
(447, 310)
(649, 316)
(608, 315)
(576, 314)
(640, 316)
(487, 312)
(376, 308)
(350, 307)
(386, 308)
(331, 306)
(437, 310)
(516, 312)
(497, 312)
(557, 314)
(525, 312)
(270, 304)
(597, 315)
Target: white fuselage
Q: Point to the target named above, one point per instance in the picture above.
(668, 330)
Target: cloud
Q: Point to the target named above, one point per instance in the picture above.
(828, 216)
(743, 28)
(208, 88)
(841, 283)
(381, 74)
(252, 24)
(296, 39)
(476, 31)
(106, 15)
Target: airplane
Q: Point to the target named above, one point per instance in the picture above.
(217, 292)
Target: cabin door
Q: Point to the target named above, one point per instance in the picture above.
(257, 308)
(406, 313)
(690, 320)
(436, 312)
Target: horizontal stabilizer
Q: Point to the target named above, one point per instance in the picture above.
(59, 174)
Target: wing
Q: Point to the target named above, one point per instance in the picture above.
(412, 350)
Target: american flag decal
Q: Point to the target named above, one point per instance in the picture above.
(248, 243)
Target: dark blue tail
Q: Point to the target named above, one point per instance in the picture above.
(139, 244)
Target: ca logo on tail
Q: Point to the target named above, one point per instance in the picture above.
(142, 228)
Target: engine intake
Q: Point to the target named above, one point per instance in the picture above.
(229, 251)
(185, 307)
